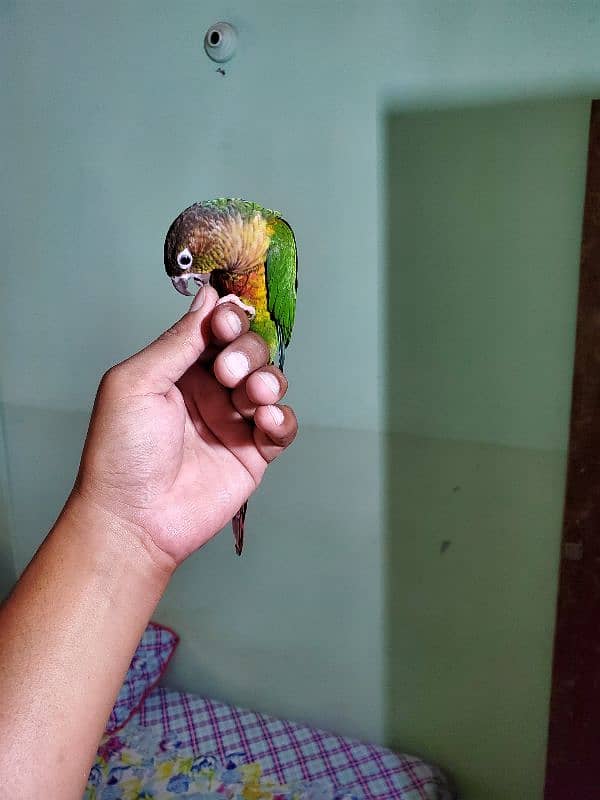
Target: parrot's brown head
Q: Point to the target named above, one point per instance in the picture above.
(229, 235)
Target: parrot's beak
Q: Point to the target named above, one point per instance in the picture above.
(180, 282)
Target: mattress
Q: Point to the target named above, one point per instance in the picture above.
(179, 744)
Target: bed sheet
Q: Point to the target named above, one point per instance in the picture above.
(288, 752)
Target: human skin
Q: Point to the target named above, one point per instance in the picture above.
(181, 434)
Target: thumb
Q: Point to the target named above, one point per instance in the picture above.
(159, 365)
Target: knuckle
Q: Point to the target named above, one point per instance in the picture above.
(111, 378)
(119, 380)
(188, 348)
(180, 336)
(259, 343)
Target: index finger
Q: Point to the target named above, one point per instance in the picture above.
(228, 321)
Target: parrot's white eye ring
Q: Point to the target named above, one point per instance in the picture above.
(184, 259)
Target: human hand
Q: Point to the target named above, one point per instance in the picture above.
(182, 432)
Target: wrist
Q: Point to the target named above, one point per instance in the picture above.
(112, 540)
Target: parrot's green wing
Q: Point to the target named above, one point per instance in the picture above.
(282, 282)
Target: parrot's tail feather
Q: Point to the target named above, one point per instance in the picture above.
(281, 345)
(281, 357)
(238, 528)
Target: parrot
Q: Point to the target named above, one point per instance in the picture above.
(248, 254)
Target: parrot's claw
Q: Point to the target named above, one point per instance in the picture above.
(233, 298)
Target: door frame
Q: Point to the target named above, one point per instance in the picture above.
(573, 754)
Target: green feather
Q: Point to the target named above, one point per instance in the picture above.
(282, 282)
(245, 207)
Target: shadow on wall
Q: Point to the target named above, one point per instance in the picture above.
(7, 564)
(484, 213)
(7, 568)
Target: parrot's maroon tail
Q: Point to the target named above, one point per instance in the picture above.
(238, 528)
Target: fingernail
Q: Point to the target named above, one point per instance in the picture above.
(237, 364)
(198, 299)
(276, 414)
(270, 381)
(233, 323)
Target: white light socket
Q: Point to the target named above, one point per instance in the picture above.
(220, 42)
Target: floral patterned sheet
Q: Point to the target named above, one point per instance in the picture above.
(137, 764)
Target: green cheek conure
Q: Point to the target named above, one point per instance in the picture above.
(248, 253)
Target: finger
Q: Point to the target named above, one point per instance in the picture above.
(159, 365)
(246, 354)
(262, 388)
(210, 408)
(275, 428)
(242, 402)
(266, 386)
(228, 322)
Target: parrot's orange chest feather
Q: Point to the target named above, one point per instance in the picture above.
(250, 287)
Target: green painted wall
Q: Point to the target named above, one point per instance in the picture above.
(472, 553)
(114, 121)
(484, 224)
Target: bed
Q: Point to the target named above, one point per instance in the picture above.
(162, 744)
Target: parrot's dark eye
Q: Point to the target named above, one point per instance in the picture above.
(184, 259)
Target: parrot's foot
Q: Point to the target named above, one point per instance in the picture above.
(233, 298)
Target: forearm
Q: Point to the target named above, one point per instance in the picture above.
(67, 635)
